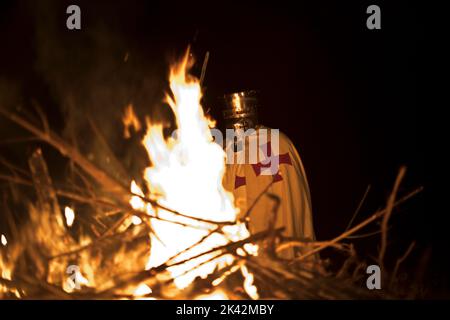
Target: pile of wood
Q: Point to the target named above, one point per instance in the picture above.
(34, 263)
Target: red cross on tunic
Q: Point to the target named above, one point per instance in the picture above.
(284, 158)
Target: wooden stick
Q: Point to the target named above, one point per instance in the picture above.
(13, 167)
(358, 208)
(205, 64)
(399, 262)
(67, 150)
(387, 215)
(16, 180)
(149, 274)
(43, 184)
(100, 176)
(372, 218)
(117, 208)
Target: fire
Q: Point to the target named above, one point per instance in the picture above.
(70, 216)
(186, 174)
(3, 240)
(130, 119)
(216, 295)
(141, 291)
(249, 287)
(186, 206)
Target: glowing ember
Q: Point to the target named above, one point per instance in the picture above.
(249, 287)
(216, 295)
(142, 290)
(136, 220)
(70, 216)
(75, 280)
(3, 240)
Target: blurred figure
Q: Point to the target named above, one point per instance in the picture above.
(264, 161)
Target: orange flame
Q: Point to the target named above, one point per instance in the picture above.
(187, 172)
(186, 176)
(130, 119)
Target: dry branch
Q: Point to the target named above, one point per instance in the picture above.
(387, 215)
(67, 150)
(361, 225)
(43, 183)
(399, 262)
(275, 275)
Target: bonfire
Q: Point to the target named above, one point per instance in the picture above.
(175, 236)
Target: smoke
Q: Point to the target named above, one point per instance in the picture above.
(87, 77)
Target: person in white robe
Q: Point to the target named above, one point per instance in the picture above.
(265, 173)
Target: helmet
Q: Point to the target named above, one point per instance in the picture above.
(241, 110)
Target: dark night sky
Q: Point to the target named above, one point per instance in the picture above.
(344, 94)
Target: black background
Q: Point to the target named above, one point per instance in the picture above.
(281, 309)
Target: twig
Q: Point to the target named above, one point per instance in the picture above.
(194, 245)
(16, 180)
(227, 247)
(205, 64)
(83, 199)
(361, 225)
(99, 175)
(158, 205)
(306, 244)
(400, 261)
(65, 149)
(387, 215)
(13, 167)
(98, 241)
(116, 225)
(149, 274)
(118, 208)
(365, 235)
(358, 208)
(41, 115)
